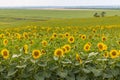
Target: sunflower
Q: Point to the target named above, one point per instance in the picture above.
(51, 38)
(7, 34)
(67, 34)
(83, 37)
(58, 52)
(44, 43)
(104, 38)
(114, 54)
(119, 52)
(94, 30)
(2, 35)
(106, 54)
(87, 47)
(78, 58)
(25, 35)
(62, 36)
(5, 42)
(36, 54)
(5, 53)
(80, 35)
(54, 35)
(18, 36)
(102, 46)
(43, 51)
(31, 42)
(67, 47)
(25, 49)
(71, 39)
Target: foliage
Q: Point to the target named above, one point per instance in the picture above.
(40, 53)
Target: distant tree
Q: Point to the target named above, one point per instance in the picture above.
(96, 15)
(103, 14)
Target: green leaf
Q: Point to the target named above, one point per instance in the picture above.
(107, 75)
(79, 77)
(42, 64)
(92, 54)
(11, 72)
(97, 72)
(2, 68)
(55, 58)
(66, 61)
(86, 70)
(115, 71)
(62, 74)
(21, 66)
(39, 77)
(70, 76)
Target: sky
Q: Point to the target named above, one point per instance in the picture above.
(12, 3)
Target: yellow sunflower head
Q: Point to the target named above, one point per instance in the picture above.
(106, 54)
(64, 49)
(78, 58)
(101, 46)
(5, 53)
(43, 51)
(87, 47)
(44, 43)
(71, 39)
(36, 54)
(54, 35)
(104, 38)
(32, 42)
(25, 48)
(58, 52)
(67, 47)
(83, 37)
(5, 42)
(114, 53)
(67, 34)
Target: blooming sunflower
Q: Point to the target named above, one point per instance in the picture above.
(43, 51)
(25, 35)
(83, 37)
(32, 42)
(25, 49)
(54, 35)
(101, 46)
(114, 54)
(5, 42)
(58, 52)
(87, 47)
(36, 54)
(64, 49)
(67, 47)
(104, 38)
(67, 34)
(78, 58)
(5, 53)
(44, 43)
(71, 39)
(106, 54)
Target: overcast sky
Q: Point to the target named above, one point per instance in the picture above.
(4, 3)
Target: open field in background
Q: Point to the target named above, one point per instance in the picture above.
(20, 17)
(59, 45)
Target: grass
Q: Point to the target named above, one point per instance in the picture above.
(20, 17)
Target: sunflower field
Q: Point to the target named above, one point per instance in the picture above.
(60, 53)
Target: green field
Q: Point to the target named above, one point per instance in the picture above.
(59, 45)
(23, 17)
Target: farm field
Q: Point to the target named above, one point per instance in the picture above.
(59, 45)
